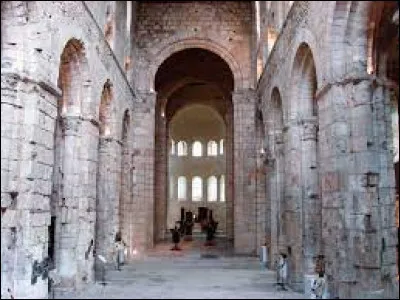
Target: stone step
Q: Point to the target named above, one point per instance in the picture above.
(130, 273)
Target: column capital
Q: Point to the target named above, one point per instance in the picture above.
(71, 124)
(310, 126)
(244, 96)
(147, 97)
(278, 136)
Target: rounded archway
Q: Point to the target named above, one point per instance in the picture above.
(194, 108)
(302, 220)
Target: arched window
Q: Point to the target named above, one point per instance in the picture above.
(212, 189)
(109, 27)
(222, 188)
(172, 147)
(221, 147)
(182, 188)
(128, 18)
(197, 149)
(197, 189)
(171, 188)
(212, 148)
(182, 148)
(258, 23)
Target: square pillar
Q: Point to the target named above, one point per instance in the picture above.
(244, 160)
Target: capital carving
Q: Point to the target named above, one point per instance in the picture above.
(267, 158)
(310, 129)
(71, 124)
(278, 137)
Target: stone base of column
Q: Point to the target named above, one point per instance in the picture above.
(62, 293)
(378, 294)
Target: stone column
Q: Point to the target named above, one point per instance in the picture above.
(358, 229)
(67, 218)
(311, 206)
(229, 181)
(87, 173)
(108, 179)
(75, 227)
(292, 228)
(143, 191)
(263, 216)
(372, 230)
(280, 185)
(275, 190)
(161, 174)
(124, 196)
(244, 161)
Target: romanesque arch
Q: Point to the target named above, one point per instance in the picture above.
(218, 80)
(106, 172)
(276, 172)
(302, 200)
(172, 46)
(72, 249)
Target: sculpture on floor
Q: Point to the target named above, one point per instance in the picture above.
(176, 237)
(318, 287)
(202, 218)
(119, 251)
(188, 226)
(282, 271)
(211, 228)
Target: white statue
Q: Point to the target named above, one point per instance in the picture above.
(282, 270)
(318, 287)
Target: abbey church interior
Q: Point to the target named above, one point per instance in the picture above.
(199, 149)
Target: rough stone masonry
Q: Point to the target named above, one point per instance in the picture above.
(312, 145)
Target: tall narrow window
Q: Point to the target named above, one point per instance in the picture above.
(172, 147)
(128, 18)
(221, 147)
(171, 188)
(222, 188)
(109, 27)
(258, 23)
(212, 148)
(182, 148)
(197, 149)
(182, 188)
(212, 189)
(197, 189)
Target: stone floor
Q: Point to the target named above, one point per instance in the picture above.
(195, 272)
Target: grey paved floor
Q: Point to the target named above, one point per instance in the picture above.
(188, 274)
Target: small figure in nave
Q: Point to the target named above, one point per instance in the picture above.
(119, 249)
(282, 271)
(318, 287)
(211, 229)
(176, 237)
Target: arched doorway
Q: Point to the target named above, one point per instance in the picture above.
(194, 112)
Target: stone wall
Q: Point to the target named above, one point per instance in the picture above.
(55, 63)
(225, 29)
(164, 28)
(78, 142)
(353, 185)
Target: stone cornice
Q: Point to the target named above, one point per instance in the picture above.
(356, 79)
(47, 86)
